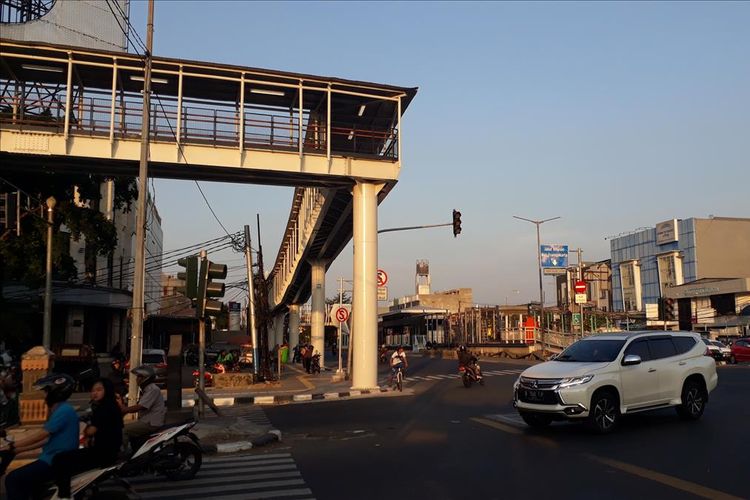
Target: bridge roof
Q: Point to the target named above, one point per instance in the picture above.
(205, 80)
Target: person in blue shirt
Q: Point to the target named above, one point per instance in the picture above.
(59, 434)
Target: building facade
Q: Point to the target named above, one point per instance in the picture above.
(649, 263)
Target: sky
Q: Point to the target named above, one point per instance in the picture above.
(612, 116)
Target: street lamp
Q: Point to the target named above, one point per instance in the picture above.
(539, 263)
(47, 330)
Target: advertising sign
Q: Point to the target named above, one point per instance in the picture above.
(666, 232)
(554, 258)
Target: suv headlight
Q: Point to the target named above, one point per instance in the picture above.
(573, 381)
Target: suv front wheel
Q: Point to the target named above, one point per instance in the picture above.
(693, 400)
(605, 412)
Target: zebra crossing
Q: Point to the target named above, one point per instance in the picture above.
(239, 477)
(454, 376)
(253, 413)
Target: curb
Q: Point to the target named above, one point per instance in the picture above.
(285, 398)
(272, 436)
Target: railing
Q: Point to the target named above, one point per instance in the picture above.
(200, 123)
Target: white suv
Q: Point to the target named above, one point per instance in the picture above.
(602, 377)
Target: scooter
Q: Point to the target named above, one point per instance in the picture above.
(174, 452)
(470, 375)
(90, 484)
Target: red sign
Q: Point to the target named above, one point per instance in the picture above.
(580, 286)
(342, 315)
(382, 277)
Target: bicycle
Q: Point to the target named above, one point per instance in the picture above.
(399, 378)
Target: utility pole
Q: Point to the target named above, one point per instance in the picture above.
(201, 340)
(47, 334)
(538, 223)
(136, 342)
(580, 277)
(251, 302)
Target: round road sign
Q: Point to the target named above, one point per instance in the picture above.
(382, 277)
(580, 286)
(342, 315)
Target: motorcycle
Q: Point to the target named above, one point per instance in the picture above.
(95, 484)
(174, 452)
(315, 363)
(208, 374)
(469, 375)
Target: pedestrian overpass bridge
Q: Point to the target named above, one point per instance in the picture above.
(337, 141)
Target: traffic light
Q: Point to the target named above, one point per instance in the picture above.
(207, 288)
(669, 314)
(456, 223)
(189, 277)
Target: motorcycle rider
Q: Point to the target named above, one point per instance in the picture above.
(383, 354)
(103, 439)
(469, 361)
(59, 434)
(150, 408)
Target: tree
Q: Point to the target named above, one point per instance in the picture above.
(22, 258)
(346, 299)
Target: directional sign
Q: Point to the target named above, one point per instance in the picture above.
(342, 315)
(554, 258)
(382, 277)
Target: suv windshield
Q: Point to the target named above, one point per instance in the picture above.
(153, 359)
(592, 351)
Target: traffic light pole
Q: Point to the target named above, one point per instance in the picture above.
(136, 342)
(389, 230)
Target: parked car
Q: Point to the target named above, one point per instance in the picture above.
(740, 350)
(600, 378)
(157, 359)
(726, 351)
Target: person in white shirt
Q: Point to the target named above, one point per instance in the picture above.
(398, 360)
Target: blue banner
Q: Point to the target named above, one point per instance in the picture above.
(554, 256)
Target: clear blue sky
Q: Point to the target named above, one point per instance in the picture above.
(611, 115)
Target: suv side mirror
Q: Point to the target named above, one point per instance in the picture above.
(631, 359)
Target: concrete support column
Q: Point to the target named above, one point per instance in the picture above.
(318, 317)
(293, 328)
(364, 298)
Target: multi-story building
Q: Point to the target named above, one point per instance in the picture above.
(660, 262)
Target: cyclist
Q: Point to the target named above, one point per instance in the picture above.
(398, 361)
(60, 434)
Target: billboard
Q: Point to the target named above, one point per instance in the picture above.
(554, 258)
(234, 315)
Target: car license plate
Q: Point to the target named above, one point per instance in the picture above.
(533, 395)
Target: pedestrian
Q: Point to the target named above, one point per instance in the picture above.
(307, 357)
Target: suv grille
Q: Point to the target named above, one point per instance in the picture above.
(539, 391)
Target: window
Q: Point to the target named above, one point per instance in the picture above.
(661, 347)
(670, 270)
(639, 348)
(683, 344)
(630, 276)
(592, 351)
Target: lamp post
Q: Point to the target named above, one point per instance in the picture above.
(47, 331)
(538, 223)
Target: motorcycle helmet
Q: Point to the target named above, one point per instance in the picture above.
(58, 386)
(462, 348)
(147, 372)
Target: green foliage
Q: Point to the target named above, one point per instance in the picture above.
(22, 258)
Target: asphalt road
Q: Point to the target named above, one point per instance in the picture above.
(440, 441)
